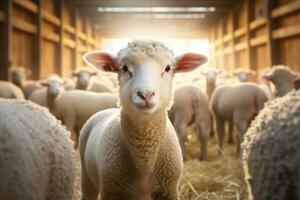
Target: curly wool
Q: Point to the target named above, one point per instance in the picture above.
(145, 48)
(271, 150)
(36, 156)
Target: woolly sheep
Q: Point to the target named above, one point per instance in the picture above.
(271, 151)
(85, 81)
(133, 152)
(283, 78)
(211, 75)
(191, 106)
(237, 104)
(36, 156)
(17, 75)
(10, 90)
(244, 75)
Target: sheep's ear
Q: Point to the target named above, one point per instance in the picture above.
(189, 61)
(101, 61)
(44, 83)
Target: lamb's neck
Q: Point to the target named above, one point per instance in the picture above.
(283, 89)
(143, 138)
(210, 87)
(51, 102)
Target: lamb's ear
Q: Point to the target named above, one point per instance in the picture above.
(189, 61)
(101, 61)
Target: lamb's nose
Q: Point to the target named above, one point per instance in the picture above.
(146, 96)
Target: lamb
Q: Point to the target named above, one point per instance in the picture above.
(237, 104)
(271, 150)
(211, 75)
(244, 75)
(18, 77)
(283, 78)
(191, 106)
(85, 82)
(36, 156)
(10, 90)
(133, 152)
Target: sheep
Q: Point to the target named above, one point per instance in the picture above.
(10, 90)
(36, 156)
(265, 84)
(17, 75)
(85, 82)
(237, 104)
(191, 106)
(283, 78)
(271, 150)
(133, 152)
(211, 75)
(244, 75)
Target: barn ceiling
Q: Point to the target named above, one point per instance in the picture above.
(182, 18)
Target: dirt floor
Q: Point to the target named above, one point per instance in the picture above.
(219, 178)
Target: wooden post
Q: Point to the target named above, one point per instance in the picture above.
(272, 49)
(59, 70)
(6, 43)
(77, 57)
(222, 46)
(233, 39)
(249, 18)
(39, 50)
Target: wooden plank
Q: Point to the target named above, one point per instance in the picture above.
(218, 42)
(258, 23)
(51, 18)
(70, 29)
(228, 50)
(69, 43)
(24, 26)
(286, 32)
(233, 25)
(28, 5)
(50, 36)
(90, 40)
(60, 66)
(228, 37)
(81, 35)
(249, 34)
(240, 46)
(240, 32)
(272, 47)
(6, 43)
(76, 16)
(2, 16)
(257, 41)
(286, 9)
(82, 49)
(39, 49)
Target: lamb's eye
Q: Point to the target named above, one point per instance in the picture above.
(168, 67)
(125, 68)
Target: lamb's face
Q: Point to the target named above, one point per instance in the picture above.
(211, 75)
(84, 77)
(145, 70)
(54, 87)
(145, 84)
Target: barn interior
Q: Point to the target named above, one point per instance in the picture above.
(51, 36)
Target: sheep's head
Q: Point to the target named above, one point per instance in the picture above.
(145, 73)
(84, 77)
(18, 75)
(244, 75)
(211, 74)
(54, 86)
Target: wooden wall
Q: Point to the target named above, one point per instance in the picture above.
(44, 36)
(257, 34)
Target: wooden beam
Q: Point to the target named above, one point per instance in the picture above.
(49, 17)
(286, 9)
(240, 46)
(286, 32)
(233, 25)
(69, 43)
(257, 23)
(77, 42)
(228, 50)
(60, 66)
(6, 43)
(82, 49)
(81, 35)
(249, 34)
(70, 29)
(228, 37)
(39, 50)
(2, 16)
(28, 5)
(240, 32)
(272, 48)
(52, 37)
(24, 25)
(259, 40)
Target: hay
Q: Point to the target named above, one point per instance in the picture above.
(220, 178)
